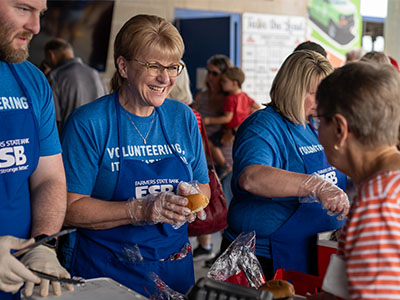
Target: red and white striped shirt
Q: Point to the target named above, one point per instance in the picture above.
(370, 240)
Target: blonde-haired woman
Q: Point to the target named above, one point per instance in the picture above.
(279, 167)
(124, 156)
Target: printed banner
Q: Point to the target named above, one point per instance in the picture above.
(336, 25)
(267, 41)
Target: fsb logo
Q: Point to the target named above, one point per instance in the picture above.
(144, 190)
(331, 177)
(12, 156)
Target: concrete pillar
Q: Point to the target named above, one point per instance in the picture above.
(391, 30)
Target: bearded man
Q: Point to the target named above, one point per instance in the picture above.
(32, 180)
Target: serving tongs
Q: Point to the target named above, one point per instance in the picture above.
(74, 280)
(42, 241)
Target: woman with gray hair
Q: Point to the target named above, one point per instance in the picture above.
(282, 183)
(359, 109)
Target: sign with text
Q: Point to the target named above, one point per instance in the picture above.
(266, 42)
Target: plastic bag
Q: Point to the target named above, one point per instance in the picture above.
(186, 189)
(191, 188)
(239, 264)
(163, 292)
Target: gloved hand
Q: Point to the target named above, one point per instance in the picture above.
(191, 188)
(165, 207)
(331, 197)
(13, 273)
(45, 260)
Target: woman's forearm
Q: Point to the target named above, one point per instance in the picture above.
(270, 182)
(90, 213)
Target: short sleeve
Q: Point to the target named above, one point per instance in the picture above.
(230, 103)
(255, 145)
(80, 156)
(43, 105)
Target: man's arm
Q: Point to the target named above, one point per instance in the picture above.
(48, 195)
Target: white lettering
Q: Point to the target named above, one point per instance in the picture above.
(137, 151)
(110, 152)
(115, 166)
(331, 177)
(141, 191)
(161, 150)
(12, 156)
(304, 150)
(144, 190)
(6, 104)
(6, 155)
(130, 150)
(20, 157)
(149, 150)
(154, 149)
(12, 103)
(124, 154)
(154, 189)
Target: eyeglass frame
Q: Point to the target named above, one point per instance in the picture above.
(316, 120)
(161, 68)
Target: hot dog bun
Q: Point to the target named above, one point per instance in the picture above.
(197, 202)
(281, 289)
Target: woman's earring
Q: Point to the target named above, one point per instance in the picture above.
(336, 147)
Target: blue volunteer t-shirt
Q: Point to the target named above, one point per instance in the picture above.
(264, 139)
(12, 97)
(91, 152)
(15, 209)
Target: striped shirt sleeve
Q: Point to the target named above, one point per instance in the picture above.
(370, 243)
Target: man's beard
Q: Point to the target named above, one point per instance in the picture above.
(7, 52)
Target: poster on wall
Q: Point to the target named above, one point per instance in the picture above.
(266, 41)
(336, 25)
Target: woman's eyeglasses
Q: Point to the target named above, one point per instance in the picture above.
(315, 121)
(213, 73)
(154, 69)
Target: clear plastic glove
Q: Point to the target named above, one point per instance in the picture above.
(13, 273)
(331, 197)
(45, 260)
(165, 207)
(191, 188)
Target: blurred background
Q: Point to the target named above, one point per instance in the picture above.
(256, 34)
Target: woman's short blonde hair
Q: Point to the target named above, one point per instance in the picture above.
(146, 33)
(367, 95)
(299, 74)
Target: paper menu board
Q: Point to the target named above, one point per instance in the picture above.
(266, 41)
(93, 289)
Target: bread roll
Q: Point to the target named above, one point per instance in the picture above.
(197, 202)
(281, 289)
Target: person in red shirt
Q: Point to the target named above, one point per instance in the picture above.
(237, 107)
